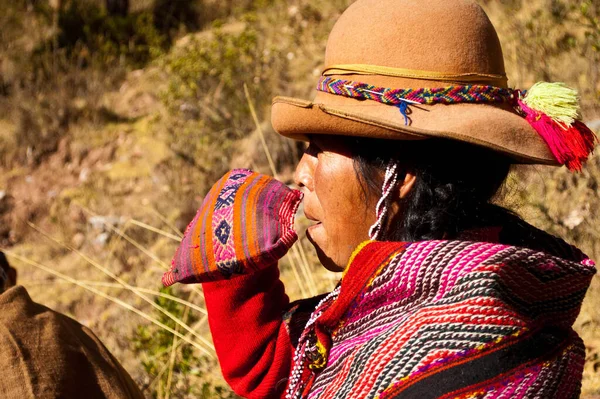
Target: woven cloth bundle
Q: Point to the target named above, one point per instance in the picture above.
(245, 223)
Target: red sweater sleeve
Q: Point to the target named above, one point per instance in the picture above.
(250, 337)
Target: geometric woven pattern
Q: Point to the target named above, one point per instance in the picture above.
(447, 319)
(428, 96)
(245, 223)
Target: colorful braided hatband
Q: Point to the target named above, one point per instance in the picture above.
(428, 96)
(552, 109)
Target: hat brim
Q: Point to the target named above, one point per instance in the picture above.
(493, 127)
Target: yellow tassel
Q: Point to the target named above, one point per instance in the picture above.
(559, 102)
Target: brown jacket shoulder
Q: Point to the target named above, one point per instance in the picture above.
(45, 354)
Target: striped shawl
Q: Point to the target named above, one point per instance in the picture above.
(447, 319)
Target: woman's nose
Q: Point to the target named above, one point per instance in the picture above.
(303, 176)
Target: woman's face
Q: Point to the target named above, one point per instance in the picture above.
(333, 198)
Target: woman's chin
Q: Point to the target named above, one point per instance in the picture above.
(327, 262)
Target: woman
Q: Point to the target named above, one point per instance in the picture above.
(444, 294)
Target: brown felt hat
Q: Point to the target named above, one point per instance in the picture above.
(414, 44)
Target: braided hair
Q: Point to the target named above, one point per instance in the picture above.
(456, 184)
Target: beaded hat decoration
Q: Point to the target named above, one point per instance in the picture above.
(380, 58)
(552, 109)
(245, 223)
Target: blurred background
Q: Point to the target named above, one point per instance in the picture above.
(116, 116)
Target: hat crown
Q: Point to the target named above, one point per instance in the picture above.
(447, 36)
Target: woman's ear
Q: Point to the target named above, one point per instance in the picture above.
(406, 185)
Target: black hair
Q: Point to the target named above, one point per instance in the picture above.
(456, 184)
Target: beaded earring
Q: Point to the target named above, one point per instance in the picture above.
(390, 182)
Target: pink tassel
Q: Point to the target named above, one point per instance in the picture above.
(571, 145)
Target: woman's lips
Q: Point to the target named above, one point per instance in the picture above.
(315, 224)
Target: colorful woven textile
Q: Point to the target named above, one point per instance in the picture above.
(428, 96)
(245, 223)
(446, 319)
